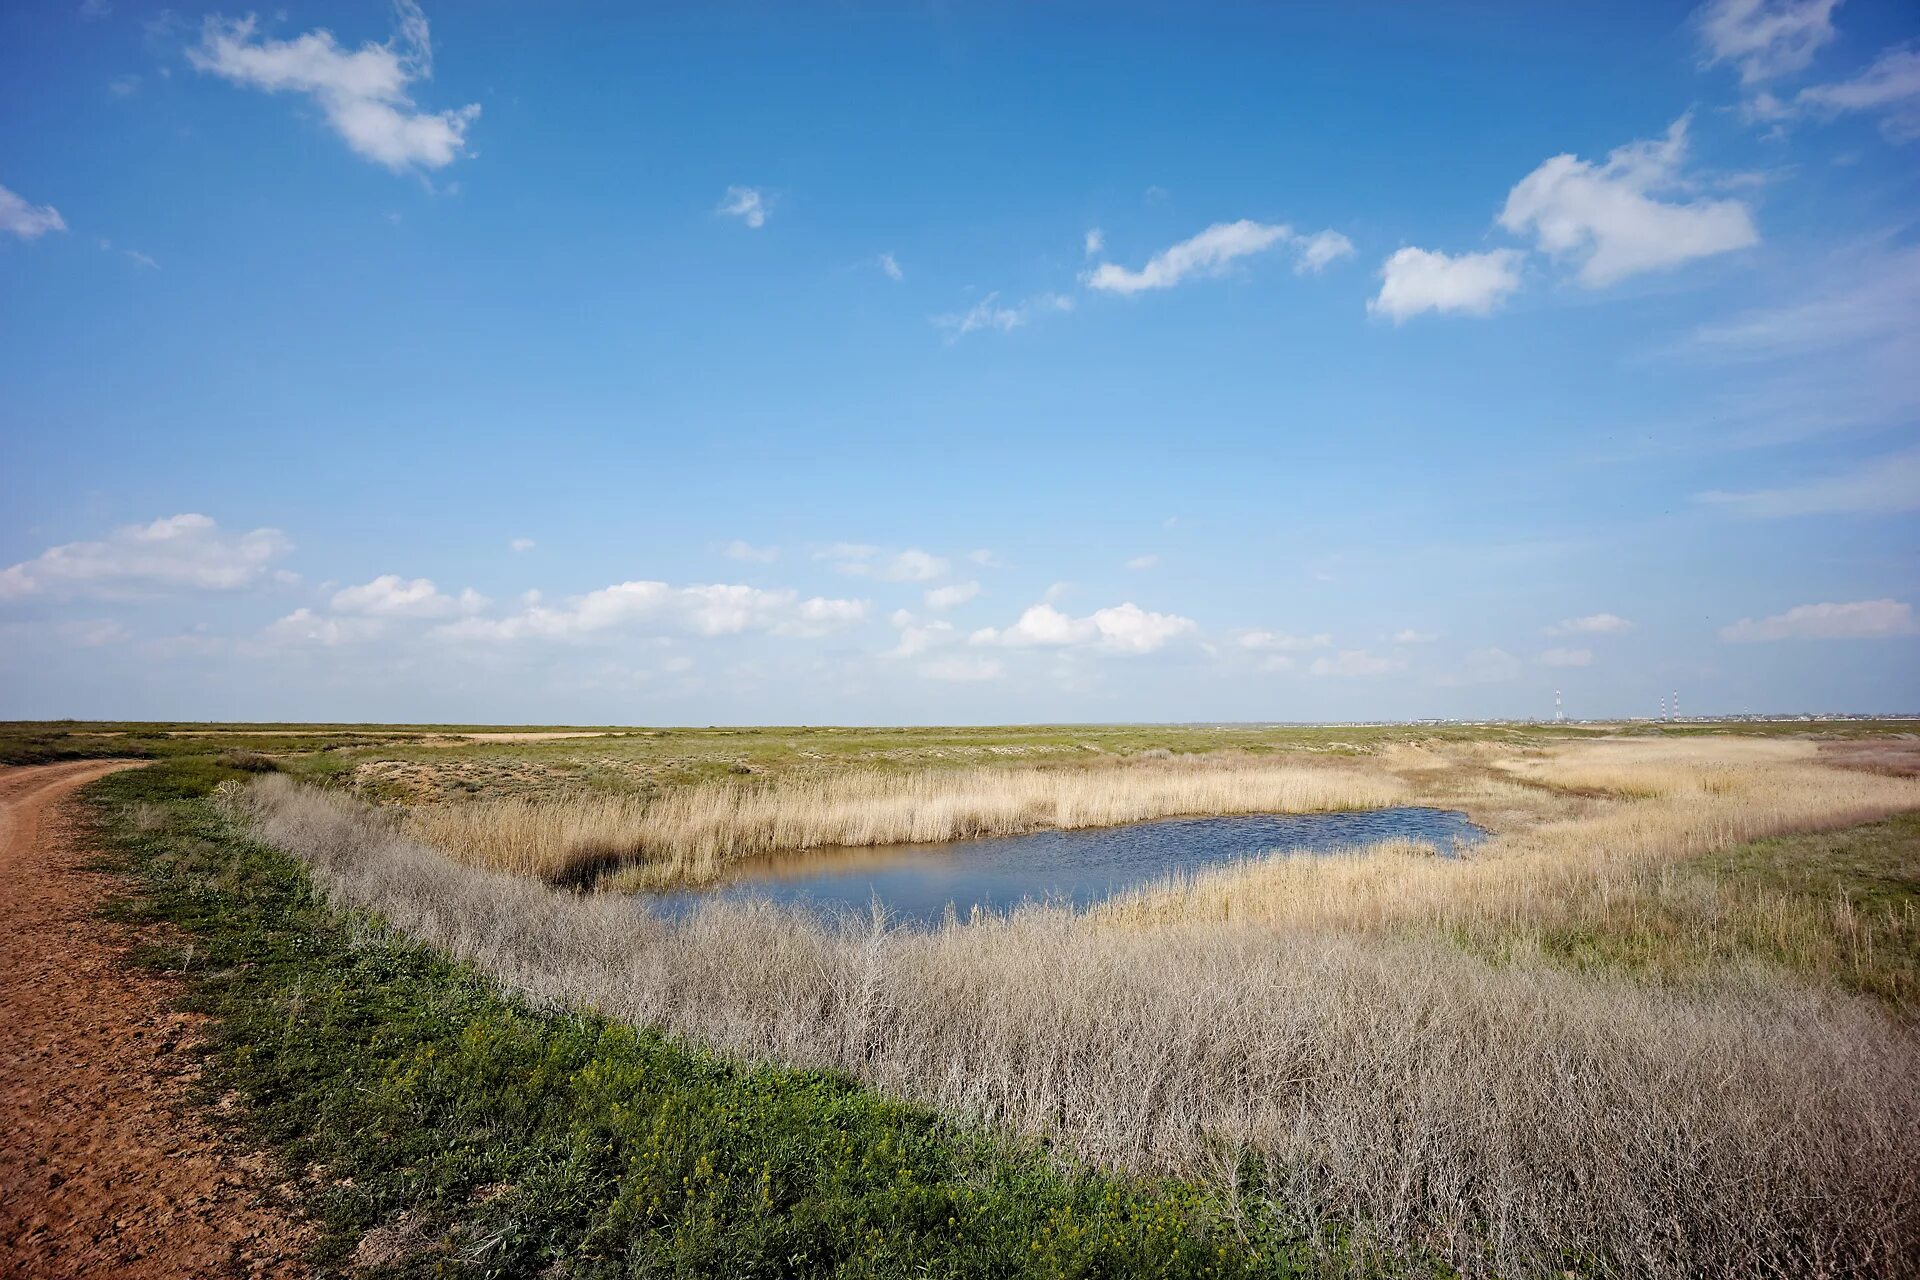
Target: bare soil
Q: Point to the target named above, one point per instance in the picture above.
(104, 1169)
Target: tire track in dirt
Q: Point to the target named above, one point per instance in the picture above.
(103, 1170)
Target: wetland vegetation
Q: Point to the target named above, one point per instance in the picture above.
(1662, 1022)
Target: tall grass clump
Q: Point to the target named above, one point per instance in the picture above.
(692, 833)
(1344, 1065)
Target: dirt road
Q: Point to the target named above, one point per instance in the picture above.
(102, 1170)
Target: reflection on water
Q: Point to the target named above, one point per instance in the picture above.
(917, 883)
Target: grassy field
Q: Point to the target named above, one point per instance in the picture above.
(1664, 1023)
(437, 1125)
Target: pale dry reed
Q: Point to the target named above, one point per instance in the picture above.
(1702, 799)
(1517, 1118)
(692, 833)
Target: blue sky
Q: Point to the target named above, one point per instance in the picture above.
(544, 362)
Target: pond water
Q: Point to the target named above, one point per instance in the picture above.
(917, 883)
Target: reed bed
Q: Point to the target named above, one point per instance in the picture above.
(692, 833)
(1549, 873)
(1307, 1030)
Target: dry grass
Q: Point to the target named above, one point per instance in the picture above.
(1705, 796)
(1511, 1113)
(693, 832)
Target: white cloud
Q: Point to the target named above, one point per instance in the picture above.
(179, 553)
(1321, 249)
(305, 627)
(1281, 642)
(140, 259)
(1417, 280)
(1883, 485)
(988, 313)
(1410, 636)
(913, 565)
(947, 597)
(1868, 298)
(891, 265)
(1765, 38)
(740, 549)
(1605, 216)
(391, 596)
(918, 637)
(92, 633)
(1094, 242)
(962, 668)
(1485, 666)
(1355, 662)
(363, 92)
(864, 561)
(1858, 620)
(1890, 87)
(1566, 658)
(713, 610)
(28, 221)
(1213, 250)
(746, 204)
(1594, 624)
(984, 558)
(521, 544)
(1143, 562)
(1124, 628)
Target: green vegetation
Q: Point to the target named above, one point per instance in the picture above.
(447, 1128)
(1840, 906)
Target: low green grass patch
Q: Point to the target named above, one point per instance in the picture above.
(475, 1135)
(1841, 906)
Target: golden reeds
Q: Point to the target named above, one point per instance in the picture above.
(693, 832)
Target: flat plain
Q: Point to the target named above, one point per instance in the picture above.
(1661, 1022)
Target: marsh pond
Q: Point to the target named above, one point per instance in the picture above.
(917, 884)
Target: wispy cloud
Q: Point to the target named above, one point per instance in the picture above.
(961, 667)
(364, 93)
(305, 627)
(718, 609)
(1889, 88)
(1351, 663)
(1594, 624)
(746, 204)
(1858, 620)
(1566, 658)
(740, 549)
(891, 265)
(179, 553)
(864, 561)
(1883, 485)
(951, 596)
(990, 313)
(391, 596)
(1606, 217)
(28, 221)
(1765, 38)
(1212, 251)
(1281, 642)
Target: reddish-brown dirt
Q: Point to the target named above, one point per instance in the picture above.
(104, 1170)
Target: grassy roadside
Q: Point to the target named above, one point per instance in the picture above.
(447, 1129)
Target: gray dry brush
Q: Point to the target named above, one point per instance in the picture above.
(1516, 1118)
